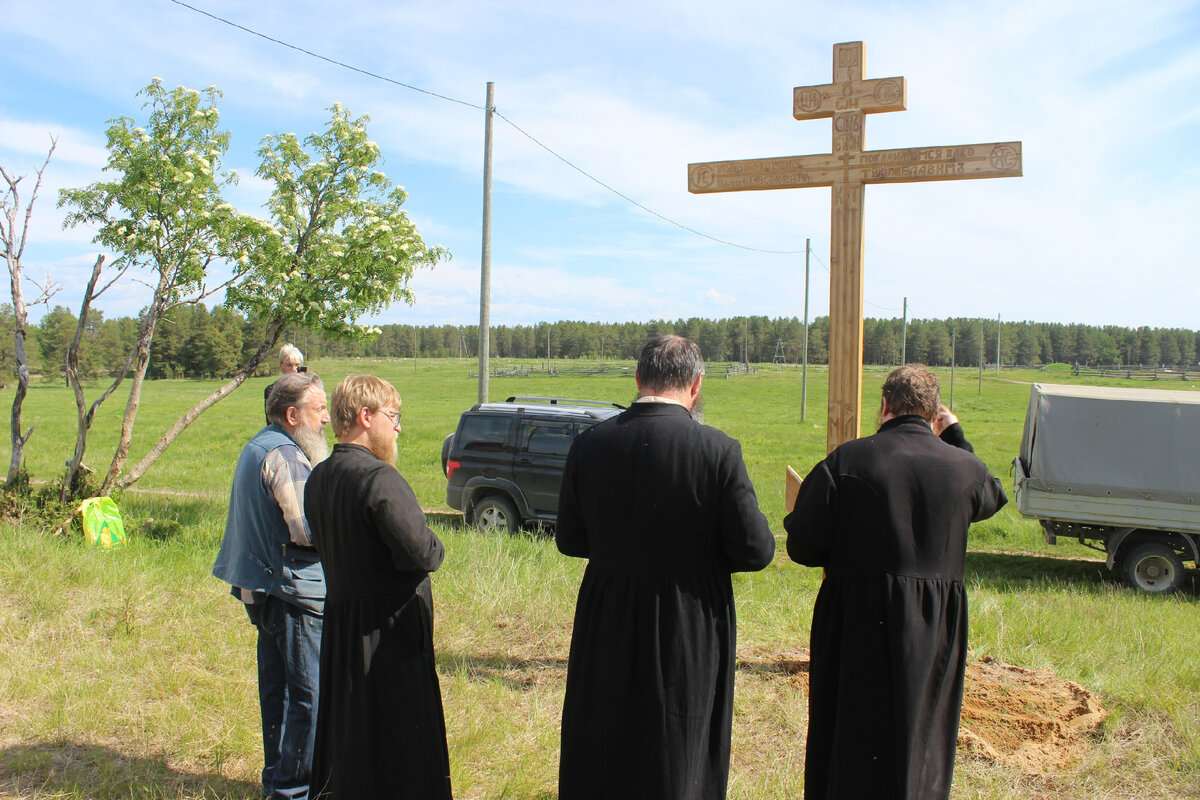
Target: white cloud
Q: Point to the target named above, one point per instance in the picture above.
(33, 139)
(718, 298)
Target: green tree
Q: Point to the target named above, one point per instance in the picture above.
(338, 247)
(1187, 346)
(937, 343)
(1168, 347)
(1146, 350)
(222, 351)
(818, 341)
(7, 347)
(1087, 349)
(54, 337)
(1025, 349)
(1107, 350)
(163, 213)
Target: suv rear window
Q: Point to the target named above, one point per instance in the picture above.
(485, 433)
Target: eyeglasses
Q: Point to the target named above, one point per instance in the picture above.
(394, 416)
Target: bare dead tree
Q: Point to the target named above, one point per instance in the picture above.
(14, 231)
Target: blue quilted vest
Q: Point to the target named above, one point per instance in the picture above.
(257, 551)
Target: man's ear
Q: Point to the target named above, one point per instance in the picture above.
(363, 417)
(695, 388)
(292, 415)
(637, 379)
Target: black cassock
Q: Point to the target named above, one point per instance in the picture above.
(887, 517)
(664, 510)
(380, 728)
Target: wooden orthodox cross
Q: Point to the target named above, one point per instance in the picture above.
(847, 170)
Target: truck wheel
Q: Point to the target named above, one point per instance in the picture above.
(1153, 568)
(495, 513)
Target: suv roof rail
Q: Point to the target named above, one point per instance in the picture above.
(554, 401)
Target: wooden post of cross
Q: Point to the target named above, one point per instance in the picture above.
(847, 170)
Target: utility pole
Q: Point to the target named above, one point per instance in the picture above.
(485, 259)
(998, 329)
(746, 345)
(981, 356)
(904, 335)
(953, 359)
(804, 373)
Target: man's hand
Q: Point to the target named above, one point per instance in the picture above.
(944, 419)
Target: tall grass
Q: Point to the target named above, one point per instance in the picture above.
(130, 673)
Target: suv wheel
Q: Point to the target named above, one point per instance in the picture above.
(495, 513)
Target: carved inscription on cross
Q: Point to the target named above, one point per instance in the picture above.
(847, 170)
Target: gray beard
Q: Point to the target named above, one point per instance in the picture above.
(312, 442)
(698, 408)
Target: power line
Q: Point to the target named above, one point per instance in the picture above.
(516, 127)
(630, 200)
(867, 302)
(326, 59)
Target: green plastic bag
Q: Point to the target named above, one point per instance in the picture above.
(102, 523)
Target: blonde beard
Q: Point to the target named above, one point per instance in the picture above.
(382, 445)
(312, 442)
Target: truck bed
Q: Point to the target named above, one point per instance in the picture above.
(1095, 507)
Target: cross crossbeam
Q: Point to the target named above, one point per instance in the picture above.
(907, 165)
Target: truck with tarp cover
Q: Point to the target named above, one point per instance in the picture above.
(1118, 470)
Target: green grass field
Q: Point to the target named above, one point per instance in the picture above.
(130, 673)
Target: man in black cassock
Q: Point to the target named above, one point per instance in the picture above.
(662, 507)
(887, 517)
(380, 728)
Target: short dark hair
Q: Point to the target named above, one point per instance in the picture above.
(289, 391)
(669, 362)
(912, 389)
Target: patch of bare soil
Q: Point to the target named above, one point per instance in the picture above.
(1027, 719)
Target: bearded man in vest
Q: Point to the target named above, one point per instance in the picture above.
(268, 559)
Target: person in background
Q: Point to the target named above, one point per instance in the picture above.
(381, 731)
(887, 518)
(267, 557)
(290, 360)
(663, 508)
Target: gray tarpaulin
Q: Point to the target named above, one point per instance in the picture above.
(1100, 441)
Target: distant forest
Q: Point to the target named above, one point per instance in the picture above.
(197, 342)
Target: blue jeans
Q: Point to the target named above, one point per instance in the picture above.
(289, 659)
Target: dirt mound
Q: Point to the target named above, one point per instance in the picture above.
(1026, 719)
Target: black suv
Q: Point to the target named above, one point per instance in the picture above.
(504, 464)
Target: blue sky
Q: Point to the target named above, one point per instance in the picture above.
(1104, 94)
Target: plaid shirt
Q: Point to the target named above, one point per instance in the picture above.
(285, 470)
